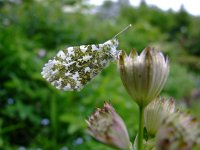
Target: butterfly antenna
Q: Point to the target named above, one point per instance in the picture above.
(122, 30)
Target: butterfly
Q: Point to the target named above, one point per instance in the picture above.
(72, 68)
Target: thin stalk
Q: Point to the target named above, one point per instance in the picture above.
(141, 127)
(53, 116)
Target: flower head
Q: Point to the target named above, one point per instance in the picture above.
(106, 126)
(143, 75)
(156, 112)
(178, 131)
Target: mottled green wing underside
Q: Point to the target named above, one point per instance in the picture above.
(74, 67)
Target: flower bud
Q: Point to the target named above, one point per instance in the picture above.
(156, 112)
(106, 126)
(143, 75)
(179, 131)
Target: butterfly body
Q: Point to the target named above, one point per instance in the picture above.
(71, 69)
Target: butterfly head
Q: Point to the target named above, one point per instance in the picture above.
(113, 43)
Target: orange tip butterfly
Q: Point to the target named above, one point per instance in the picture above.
(72, 68)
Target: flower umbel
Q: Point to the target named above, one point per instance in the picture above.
(106, 126)
(156, 112)
(143, 75)
(179, 131)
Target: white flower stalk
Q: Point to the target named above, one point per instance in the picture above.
(179, 131)
(143, 75)
(156, 112)
(106, 126)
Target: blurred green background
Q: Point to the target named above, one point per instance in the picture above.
(36, 116)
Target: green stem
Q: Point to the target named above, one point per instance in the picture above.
(53, 115)
(141, 128)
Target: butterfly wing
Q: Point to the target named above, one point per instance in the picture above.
(71, 69)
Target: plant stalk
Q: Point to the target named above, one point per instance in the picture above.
(141, 128)
(53, 117)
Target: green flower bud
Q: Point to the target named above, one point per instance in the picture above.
(143, 75)
(106, 126)
(156, 112)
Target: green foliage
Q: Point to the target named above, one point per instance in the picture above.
(33, 113)
(179, 76)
